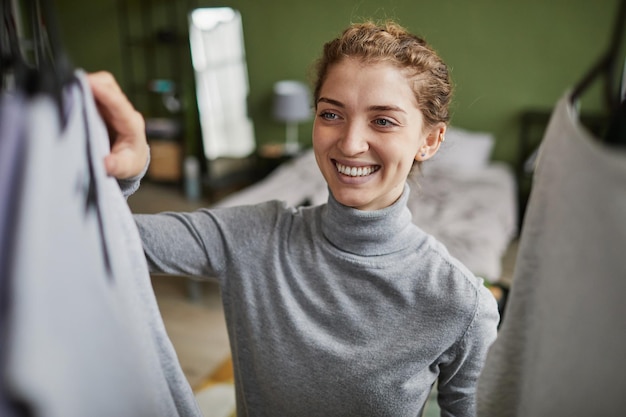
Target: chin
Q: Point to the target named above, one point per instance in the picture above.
(352, 198)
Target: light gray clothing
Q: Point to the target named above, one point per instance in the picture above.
(332, 311)
(86, 337)
(560, 350)
(11, 162)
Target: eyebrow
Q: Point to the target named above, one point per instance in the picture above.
(371, 108)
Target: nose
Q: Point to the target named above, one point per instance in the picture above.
(354, 139)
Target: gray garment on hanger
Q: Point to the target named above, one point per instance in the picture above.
(560, 350)
(11, 161)
(11, 154)
(87, 338)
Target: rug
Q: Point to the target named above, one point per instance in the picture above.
(216, 394)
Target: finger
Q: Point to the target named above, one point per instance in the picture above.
(114, 106)
(110, 165)
(124, 164)
(129, 147)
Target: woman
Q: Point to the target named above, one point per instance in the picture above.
(345, 308)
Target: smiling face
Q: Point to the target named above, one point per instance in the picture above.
(368, 130)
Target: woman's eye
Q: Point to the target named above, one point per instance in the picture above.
(328, 115)
(384, 122)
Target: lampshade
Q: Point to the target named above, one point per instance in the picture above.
(291, 101)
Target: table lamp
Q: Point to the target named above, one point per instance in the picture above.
(292, 105)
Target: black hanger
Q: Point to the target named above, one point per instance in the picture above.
(53, 64)
(616, 131)
(4, 46)
(49, 68)
(51, 46)
(606, 67)
(14, 63)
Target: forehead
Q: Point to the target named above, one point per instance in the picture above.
(377, 82)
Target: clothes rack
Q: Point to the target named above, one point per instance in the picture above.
(607, 68)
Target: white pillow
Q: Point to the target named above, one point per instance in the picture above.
(463, 150)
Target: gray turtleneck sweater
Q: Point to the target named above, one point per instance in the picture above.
(332, 311)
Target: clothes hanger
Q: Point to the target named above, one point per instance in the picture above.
(616, 132)
(14, 64)
(54, 68)
(4, 47)
(48, 70)
(53, 50)
(606, 67)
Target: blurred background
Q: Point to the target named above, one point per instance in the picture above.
(506, 57)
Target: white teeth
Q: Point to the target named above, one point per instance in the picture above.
(354, 171)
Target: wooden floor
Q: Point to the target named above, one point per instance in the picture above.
(195, 327)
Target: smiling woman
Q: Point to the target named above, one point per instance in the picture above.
(381, 101)
(380, 307)
(368, 120)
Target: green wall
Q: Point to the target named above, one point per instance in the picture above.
(505, 56)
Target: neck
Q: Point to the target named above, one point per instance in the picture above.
(369, 233)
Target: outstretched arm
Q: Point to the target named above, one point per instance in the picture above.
(129, 146)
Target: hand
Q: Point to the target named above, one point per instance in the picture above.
(129, 146)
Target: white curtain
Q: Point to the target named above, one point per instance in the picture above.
(222, 88)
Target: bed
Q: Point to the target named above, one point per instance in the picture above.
(461, 197)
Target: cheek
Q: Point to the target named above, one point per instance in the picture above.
(315, 140)
(413, 150)
(320, 137)
(319, 144)
(403, 154)
(315, 131)
(402, 151)
(406, 165)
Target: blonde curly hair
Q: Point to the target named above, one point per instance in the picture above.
(390, 42)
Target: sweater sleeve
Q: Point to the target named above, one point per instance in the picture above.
(181, 243)
(206, 242)
(463, 362)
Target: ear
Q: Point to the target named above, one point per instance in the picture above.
(431, 144)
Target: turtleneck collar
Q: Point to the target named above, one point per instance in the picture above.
(369, 233)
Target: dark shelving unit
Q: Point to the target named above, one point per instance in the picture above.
(158, 79)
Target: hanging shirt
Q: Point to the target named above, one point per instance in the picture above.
(11, 161)
(560, 351)
(86, 336)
